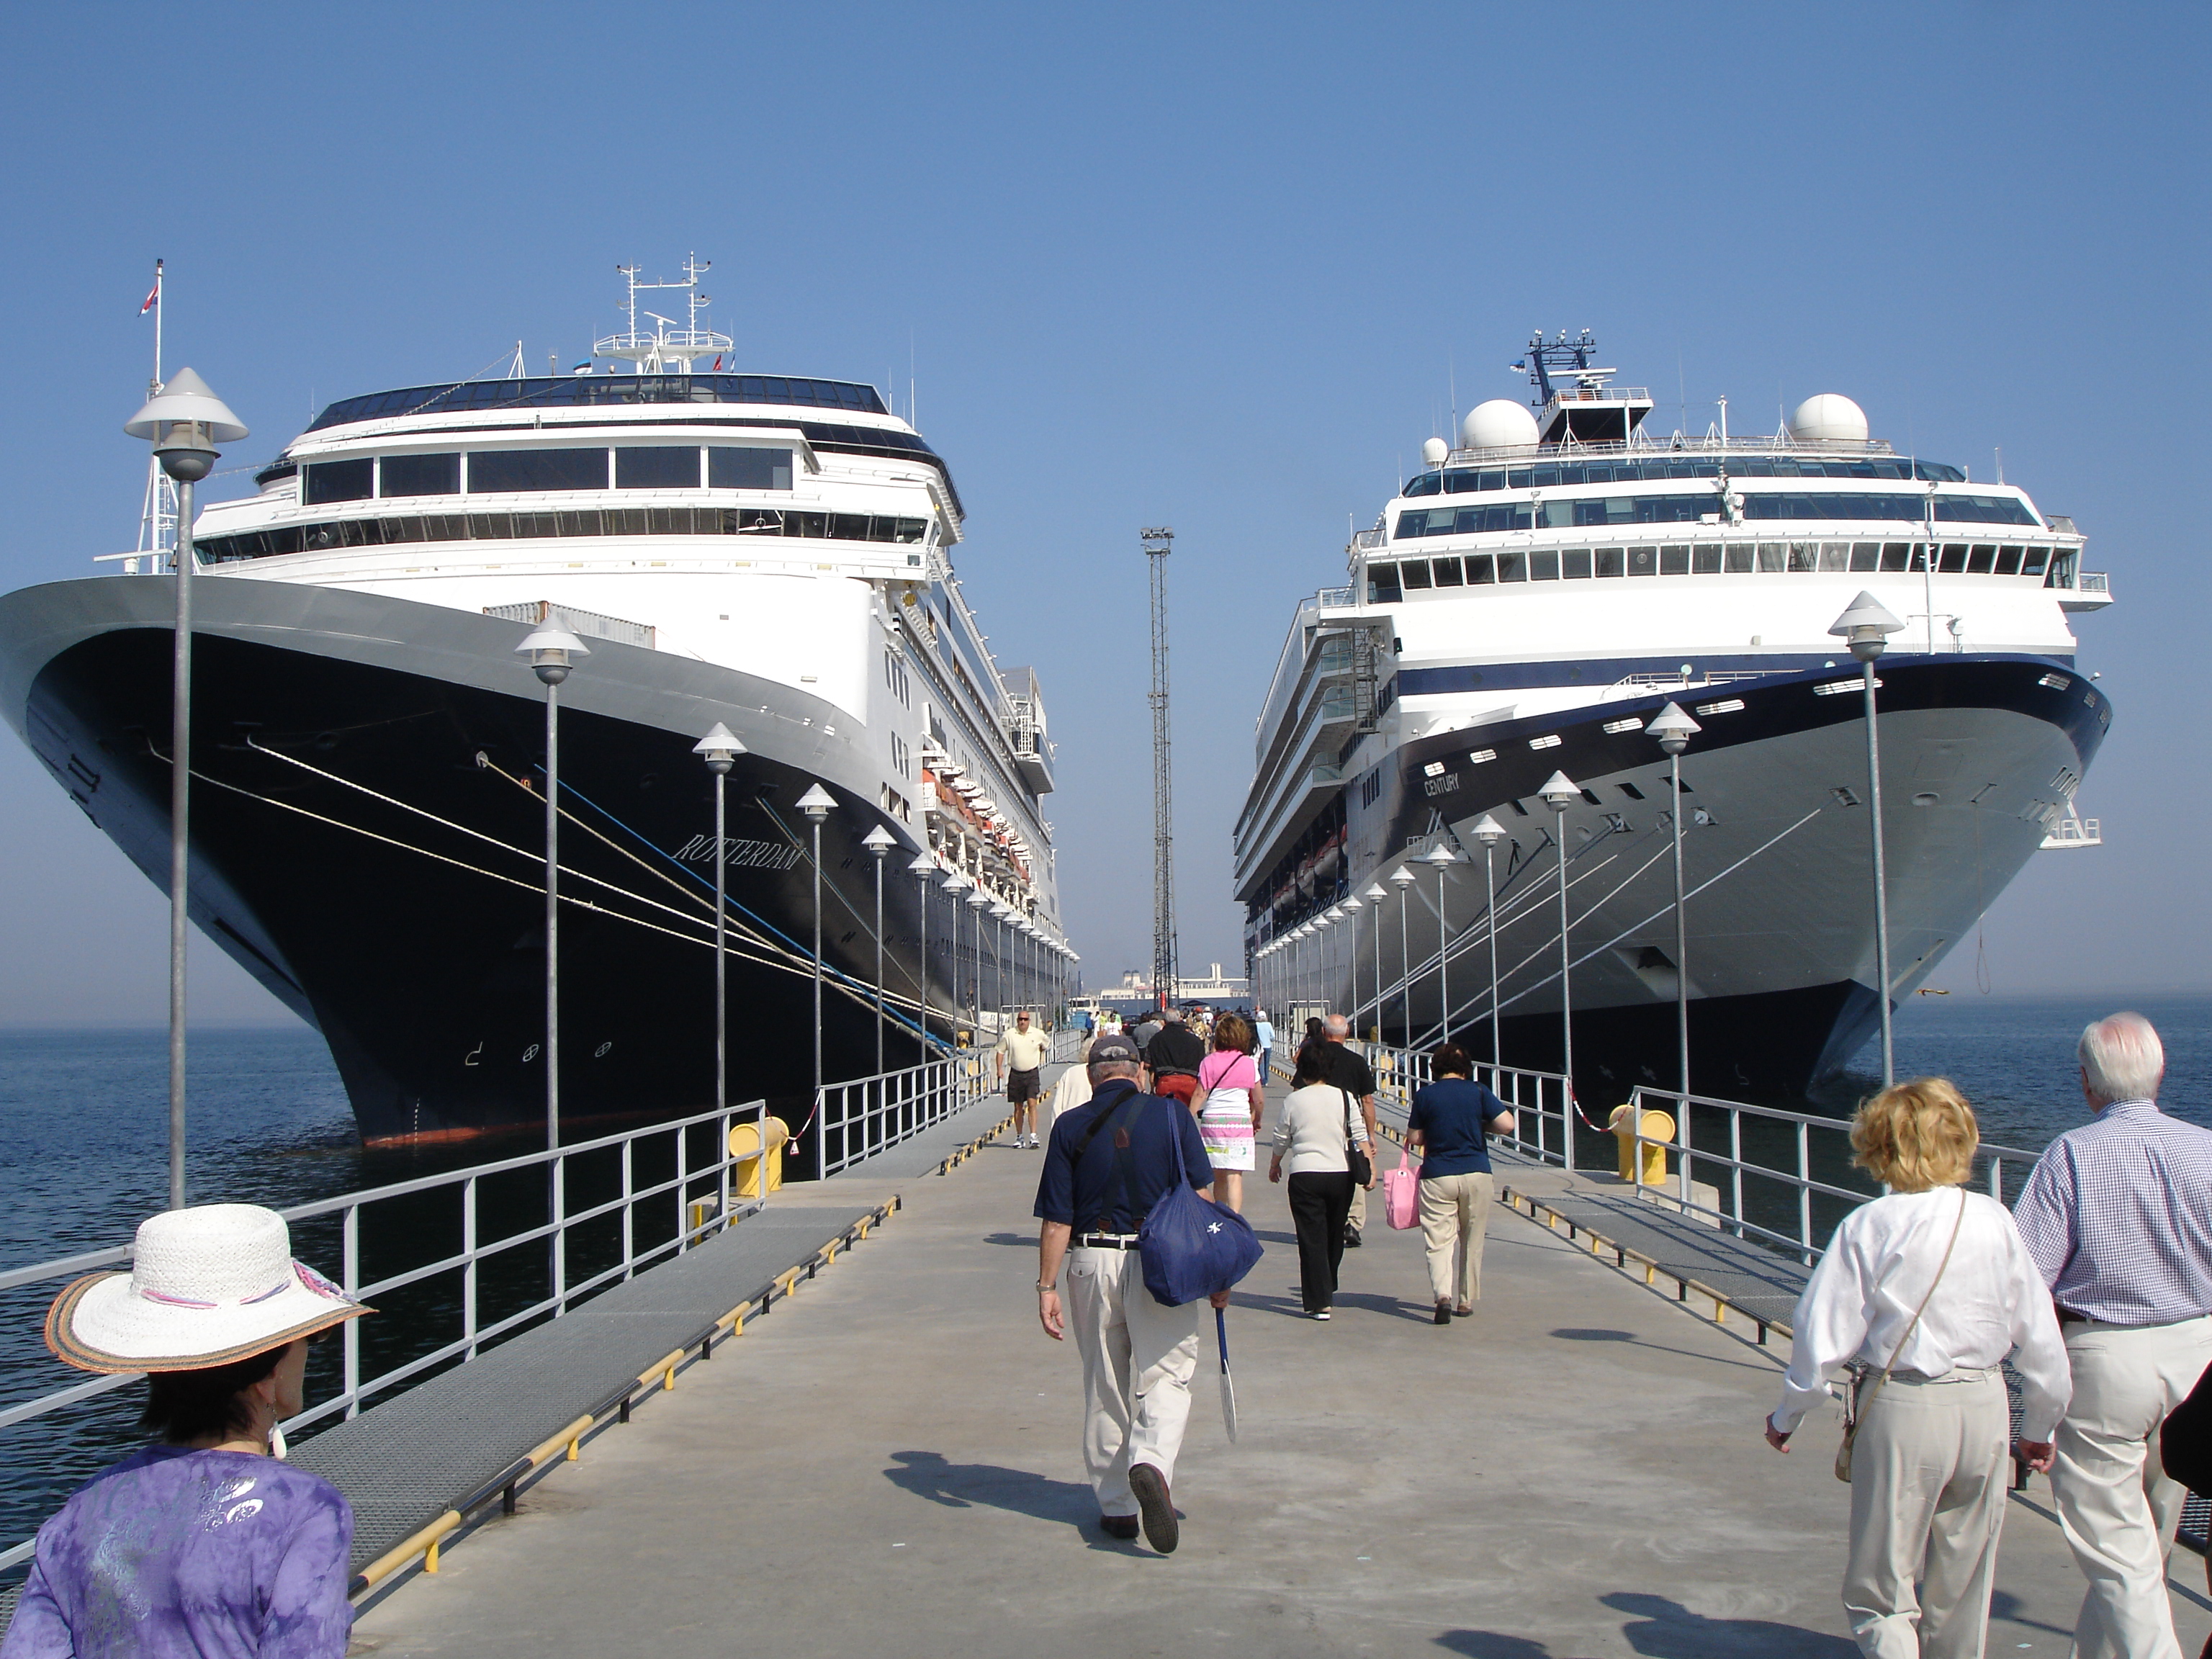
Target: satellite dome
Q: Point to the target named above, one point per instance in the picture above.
(1435, 453)
(1830, 417)
(1501, 423)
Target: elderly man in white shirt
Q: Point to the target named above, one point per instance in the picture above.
(1930, 1288)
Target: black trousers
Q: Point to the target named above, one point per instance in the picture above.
(1319, 1204)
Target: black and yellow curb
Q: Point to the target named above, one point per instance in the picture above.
(567, 1446)
(960, 1155)
(1626, 1260)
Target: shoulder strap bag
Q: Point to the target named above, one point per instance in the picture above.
(1863, 1393)
(1362, 1168)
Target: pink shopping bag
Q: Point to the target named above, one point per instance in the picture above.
(1402, 1200)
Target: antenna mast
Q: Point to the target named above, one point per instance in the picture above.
(157, 516)
(1159, 543)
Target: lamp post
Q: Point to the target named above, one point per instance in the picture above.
(1402, 878)
(978, 901)
(878, 841)
(1489, 831)
(1674, 729)
(185, 421)
(922, 869)
(816, 803)
(1866, 626)
(1557, 791)
(1443, 858)
(1352, 907)
(720, 749)
(552, 652)
(1375, 894)
(1329, 918)
(1000, 998)
(953, 882)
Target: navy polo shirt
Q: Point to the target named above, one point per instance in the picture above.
(1088, 1197)
(1452, 1114)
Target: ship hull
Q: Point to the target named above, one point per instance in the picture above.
(1979, 753)
(367, 842)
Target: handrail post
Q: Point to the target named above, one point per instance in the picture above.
(628, 1210)
(683, 1192)
(350, 1382)
(1735, 1160)
(1804, 1193)
(1682, 1179)
(469, 1270)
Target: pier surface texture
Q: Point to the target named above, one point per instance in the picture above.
(891, 1464)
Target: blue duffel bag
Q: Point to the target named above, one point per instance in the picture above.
(1190, 1247)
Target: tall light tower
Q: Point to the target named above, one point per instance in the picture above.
(1159, 543)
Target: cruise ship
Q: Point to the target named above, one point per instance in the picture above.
(767, 552)
(1526, 606)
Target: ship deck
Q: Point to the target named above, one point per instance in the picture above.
(891, 1464)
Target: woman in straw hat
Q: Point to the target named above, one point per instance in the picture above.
(204, 1542)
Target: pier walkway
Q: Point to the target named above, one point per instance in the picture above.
(889, 1466)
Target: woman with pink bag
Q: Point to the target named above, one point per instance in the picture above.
(1228, 1104)
(1449, 1120)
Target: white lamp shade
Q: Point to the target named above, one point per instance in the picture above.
(186, 398)
(719, 743)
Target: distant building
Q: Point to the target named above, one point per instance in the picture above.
(1212, 986)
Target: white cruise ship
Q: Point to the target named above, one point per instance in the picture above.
(770, 552)
(1526, 604)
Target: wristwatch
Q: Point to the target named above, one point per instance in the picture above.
(1043, 1286)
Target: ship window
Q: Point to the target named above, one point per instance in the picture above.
(1981, 561)
(421, 475)
(1954, 559)
(2033, 563)
(1429, 483)
(1738, 558)
(1512, 567)
(1416, 572)
(340, 481)
(1804, 556)
(661, 466)
(1705, 559)
(1674, 561)
(510, 471)
(1611, 560)
(1773, 557)
(1835, 556)
(1866, 556)
(1383, 584)
(2008, 561)
(1447, 573)
(1558, 515)
(729, 468)
(1575, 563)
(2061, 574)
(1643, 561)
(1896, 556)
(1544, 566)
(1482, 570)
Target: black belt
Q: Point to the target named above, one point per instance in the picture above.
(1106, 1241)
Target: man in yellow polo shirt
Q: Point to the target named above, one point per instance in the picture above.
(1021, 1056)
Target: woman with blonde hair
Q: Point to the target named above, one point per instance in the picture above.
(1924, 1291)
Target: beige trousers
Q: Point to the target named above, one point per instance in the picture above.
(2117, 1506)
(1138, 1360)
(1928, 1497)
(1455, 1220)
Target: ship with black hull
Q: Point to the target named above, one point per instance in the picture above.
(1526, 606)
(770, 553)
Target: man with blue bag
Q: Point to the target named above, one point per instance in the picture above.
(1126, 1200)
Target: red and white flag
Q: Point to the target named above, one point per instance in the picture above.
(152, 294)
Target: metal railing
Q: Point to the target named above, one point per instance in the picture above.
(481, 1284)
(1543, 1118)
(2093, 582)
(857, 1119)
(1777, 1152)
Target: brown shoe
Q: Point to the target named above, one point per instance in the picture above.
(1118, 1526)
(1155, 1507)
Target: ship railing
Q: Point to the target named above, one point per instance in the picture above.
(1679, 682)
(1543, 1122)
(646, 1195)
(1673, 444)
(1761, 1173)
(857, 1119)
(2093, 582)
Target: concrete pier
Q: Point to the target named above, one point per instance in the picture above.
(889, 1466)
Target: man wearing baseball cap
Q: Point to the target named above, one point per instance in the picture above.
(1107, 1164)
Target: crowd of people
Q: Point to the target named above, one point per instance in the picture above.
(2096, 1289)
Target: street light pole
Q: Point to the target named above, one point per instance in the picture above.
(978, 902)
(816, 803)
(1442, 857)
(1352, 907)
(1374, 895)
(1557, 791)
(185, 421)
(922, 869)
(720, 749)
(1866, 625)
(878, 841)
(1489, 831)
(1674, 729)
(1402, 878)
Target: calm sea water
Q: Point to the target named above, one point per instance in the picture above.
(83, 1129)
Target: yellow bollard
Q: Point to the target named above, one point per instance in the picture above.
(1658, 1126)
(575, 1451)
(430, 1557)
(746, 1148)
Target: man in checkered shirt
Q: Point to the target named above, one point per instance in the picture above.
(2118, 1215)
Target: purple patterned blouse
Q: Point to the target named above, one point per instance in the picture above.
(177, 1554)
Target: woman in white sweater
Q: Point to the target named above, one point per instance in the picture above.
(1933, 1286)
(1319, 1122)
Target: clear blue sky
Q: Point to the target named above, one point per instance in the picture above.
(1212, 267)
